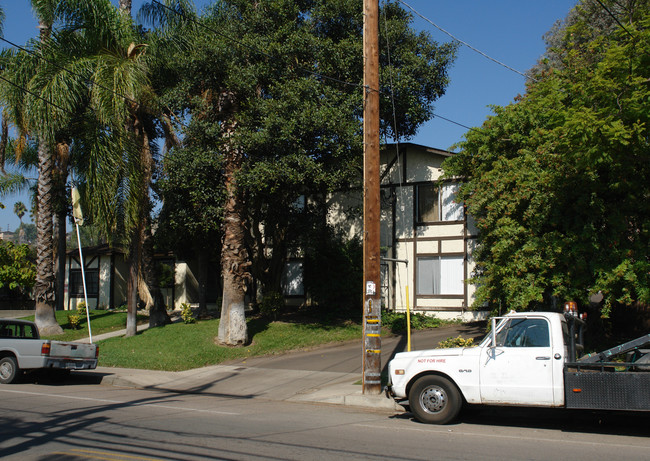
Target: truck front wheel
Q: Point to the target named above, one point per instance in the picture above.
(8, 370)
(434, 400)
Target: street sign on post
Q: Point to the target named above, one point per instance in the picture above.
(78, 221)
(371, 202)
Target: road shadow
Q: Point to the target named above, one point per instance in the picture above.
(625, 423)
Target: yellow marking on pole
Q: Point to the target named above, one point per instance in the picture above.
(408, 320)
(373, 351)
(374, 335)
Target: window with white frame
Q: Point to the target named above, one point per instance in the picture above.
(435, 204)
(440, 275)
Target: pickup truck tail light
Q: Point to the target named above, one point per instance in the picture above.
(45, 348)
(96, 351)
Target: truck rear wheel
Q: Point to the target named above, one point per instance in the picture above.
(8, 370)
(434, 400)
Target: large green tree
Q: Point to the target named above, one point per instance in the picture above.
(17, 269)
(283, 108)
(559, 181)
(191, 189)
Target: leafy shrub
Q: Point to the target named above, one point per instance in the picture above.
(186, 313)
(458, 341)
(74, 320)
(81, 308)
(272, 304)
(397, 321)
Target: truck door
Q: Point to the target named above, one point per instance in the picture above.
(519, 370)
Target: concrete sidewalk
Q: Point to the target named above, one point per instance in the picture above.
(326, 375)
(253, 383)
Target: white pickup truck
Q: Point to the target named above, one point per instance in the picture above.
(22, 349)
(528, 359)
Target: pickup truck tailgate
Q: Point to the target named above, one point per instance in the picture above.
(72, 356)
(72, 350)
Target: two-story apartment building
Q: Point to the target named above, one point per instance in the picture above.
(426, 236)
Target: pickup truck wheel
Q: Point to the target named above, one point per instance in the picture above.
(434, 400)
(8, 370)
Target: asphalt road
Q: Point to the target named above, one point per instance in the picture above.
(82, 421)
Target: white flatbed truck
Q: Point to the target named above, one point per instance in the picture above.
(528, 359)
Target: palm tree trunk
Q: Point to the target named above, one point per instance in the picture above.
(59, 260)
(44, 292)
(4, 139)
(234, 257)
(60, 177)
(135, 255)
(158, 311)
(140, 233)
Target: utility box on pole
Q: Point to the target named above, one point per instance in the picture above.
(371, 202)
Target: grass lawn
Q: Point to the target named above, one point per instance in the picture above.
(100, 322)
(181, 346)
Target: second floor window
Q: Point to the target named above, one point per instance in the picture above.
(436, 204)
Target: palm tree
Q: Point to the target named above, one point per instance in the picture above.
(119, 60)
(102, 54)
(42, 104)
(19, 210)
(25, 102)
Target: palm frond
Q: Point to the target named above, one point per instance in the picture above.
(12, 183)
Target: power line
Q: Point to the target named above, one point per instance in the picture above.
(316, 74)
(616, 19)
(465, 43)
(90, 82)
(634, 38)
(40, 56)
(35, 95)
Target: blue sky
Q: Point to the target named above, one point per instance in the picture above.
(510, 31)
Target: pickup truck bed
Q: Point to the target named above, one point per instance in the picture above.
(606, 386)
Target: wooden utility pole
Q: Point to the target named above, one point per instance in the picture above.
(371, 203)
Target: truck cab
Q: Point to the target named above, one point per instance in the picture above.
(528, 359)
